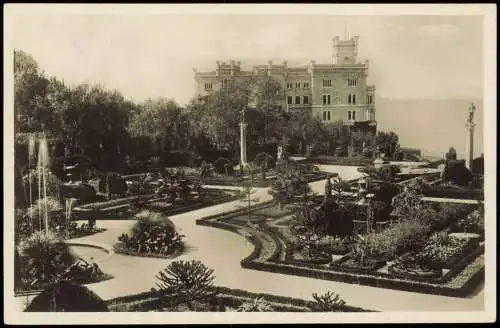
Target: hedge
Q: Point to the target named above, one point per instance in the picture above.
(230, 297)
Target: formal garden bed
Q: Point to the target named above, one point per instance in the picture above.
(127, 206)
(447, 261)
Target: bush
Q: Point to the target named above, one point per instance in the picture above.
(182, 158)
(397, 239)
(474, 222)
(455, 172)
(264, 160)
(113, 183)
(329, 302)
(223, 166)
(84, 192)
(152, 234)
(44, 258)
(67, 296)
(188, 282)
(339, 219)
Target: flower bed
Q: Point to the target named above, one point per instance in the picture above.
(453, 192)
(416, 273)
(153, 235)
(349, 264)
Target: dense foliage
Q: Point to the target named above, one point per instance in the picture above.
(44, 258)
(128, 135)
(67, 296)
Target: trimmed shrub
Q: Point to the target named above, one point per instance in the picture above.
(223, 166)
(113, 183)
(264, 160)
(455, 172)
(67, 296)
(84, 192)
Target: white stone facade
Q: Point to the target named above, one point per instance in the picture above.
(333, 92)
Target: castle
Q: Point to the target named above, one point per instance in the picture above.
(333, 92)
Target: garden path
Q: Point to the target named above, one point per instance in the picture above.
(223, 251)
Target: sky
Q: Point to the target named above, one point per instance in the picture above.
(148, 54)
(154, 55)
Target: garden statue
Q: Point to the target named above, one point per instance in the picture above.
(279, 155)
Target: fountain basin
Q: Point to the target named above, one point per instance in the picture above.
(91, 251)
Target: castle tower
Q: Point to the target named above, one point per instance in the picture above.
(346, 51)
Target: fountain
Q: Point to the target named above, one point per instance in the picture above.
(43, 160)
(31, 153)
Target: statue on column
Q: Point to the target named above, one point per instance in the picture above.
(472, 109)
(243, 115)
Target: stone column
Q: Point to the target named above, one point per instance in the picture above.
(243, 144)
(469, 152)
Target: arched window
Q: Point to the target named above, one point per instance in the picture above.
(354, 99)
(349, 99)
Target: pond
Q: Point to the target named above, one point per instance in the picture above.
(89, 253)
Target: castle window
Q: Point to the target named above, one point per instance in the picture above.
(349, 115)
(349, 102)
(305, 100)
(289, 85)
(326, 99)
(370, 99)
(354, 99)
(290, 100)
(324, 116)
(329, 118)
(208, 85)
(327, 83)
(353, 115)
(306, 85)
(352, 82)
(297, 100)
(297, 85)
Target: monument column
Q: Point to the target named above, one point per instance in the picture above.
(469, 151)
(243, 141)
